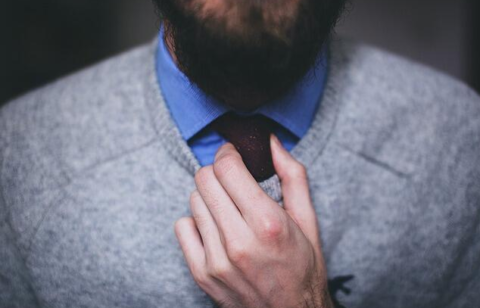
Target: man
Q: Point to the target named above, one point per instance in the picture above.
(351, 177)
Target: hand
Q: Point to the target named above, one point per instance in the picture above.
(242, 248)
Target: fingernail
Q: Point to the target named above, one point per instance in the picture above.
(276, 140)
(221, 150)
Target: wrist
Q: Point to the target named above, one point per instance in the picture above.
(316, 297)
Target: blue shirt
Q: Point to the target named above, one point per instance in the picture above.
(193, 110)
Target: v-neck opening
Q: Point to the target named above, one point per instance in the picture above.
(308, 148)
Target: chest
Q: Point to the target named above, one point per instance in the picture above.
(109, 241)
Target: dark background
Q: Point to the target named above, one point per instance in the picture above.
(45, 39)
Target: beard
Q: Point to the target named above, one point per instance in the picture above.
(246, 53)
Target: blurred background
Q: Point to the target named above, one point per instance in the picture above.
(45, 39)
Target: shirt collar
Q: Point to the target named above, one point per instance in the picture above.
(192, 110)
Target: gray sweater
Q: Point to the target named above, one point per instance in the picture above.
(94, 173)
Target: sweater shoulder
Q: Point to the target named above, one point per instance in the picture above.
(403, 113)
(54, 134)
(388, 77)
(79, 120)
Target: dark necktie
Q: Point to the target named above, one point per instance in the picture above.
(251, 137)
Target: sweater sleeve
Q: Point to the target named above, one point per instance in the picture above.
(464, 280)
(463, 285)
(15, 288)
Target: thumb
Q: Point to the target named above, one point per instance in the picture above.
(296, 194)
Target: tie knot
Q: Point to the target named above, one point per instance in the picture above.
(251, 137)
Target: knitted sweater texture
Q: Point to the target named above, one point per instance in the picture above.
(94, 173)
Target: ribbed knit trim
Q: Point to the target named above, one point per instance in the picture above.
(306, 151)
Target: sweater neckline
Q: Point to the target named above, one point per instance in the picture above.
(307, 150)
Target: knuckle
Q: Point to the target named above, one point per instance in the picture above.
(237, 253)
(200, 278)
(298, 171)
(195, 197)
(221, 270)
(271, 229)
(203, 175)
(217, 206)
(200, 220)
(226, 164)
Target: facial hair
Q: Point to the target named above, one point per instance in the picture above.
(256, 60)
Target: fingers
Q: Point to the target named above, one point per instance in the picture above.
(224, 212)
(240, 185)
(193, 250)
(296, 194)
(191, 244)
(217, 264)
(207, 228)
